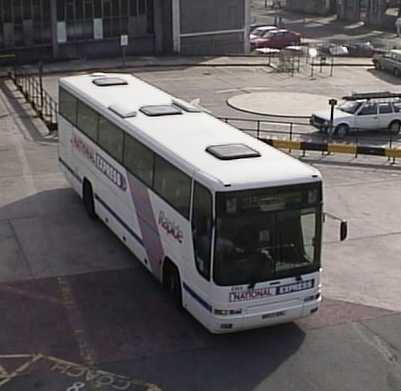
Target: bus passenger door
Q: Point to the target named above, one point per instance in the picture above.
(200, 264)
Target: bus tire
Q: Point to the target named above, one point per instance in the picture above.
(172, 282)
(88, 200)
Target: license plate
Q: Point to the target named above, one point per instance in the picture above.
(273, 315)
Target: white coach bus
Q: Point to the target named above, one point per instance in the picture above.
(231, 226)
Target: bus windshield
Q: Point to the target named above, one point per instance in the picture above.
(266, 234)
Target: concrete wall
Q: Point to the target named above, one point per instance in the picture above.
(225, 19)
(232, 43)
(320, 7)
(211, 15)
(106, 48)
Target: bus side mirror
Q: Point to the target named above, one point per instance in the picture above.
(343, 230)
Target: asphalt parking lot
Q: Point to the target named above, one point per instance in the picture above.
(80, 313)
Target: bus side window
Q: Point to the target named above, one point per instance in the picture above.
(111, 139)
(202, 229)
(173, 185)
(87, 121)
(68, 106)
(139, 160)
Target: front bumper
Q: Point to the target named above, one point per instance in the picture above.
(276, 314)
(320, 124)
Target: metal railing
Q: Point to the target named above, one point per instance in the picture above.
(30, 84)
(300, 135)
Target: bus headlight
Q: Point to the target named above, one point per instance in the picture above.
(311, 298)
(227, 312)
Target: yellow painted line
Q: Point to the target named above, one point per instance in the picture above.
(16, 355)
(91, 375)
(286, 144)
(7, 56)
(3, 372)
(341, 148)
(22, 368)
(392, 152)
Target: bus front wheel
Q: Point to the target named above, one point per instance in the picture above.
(87, 196)
(172, 282)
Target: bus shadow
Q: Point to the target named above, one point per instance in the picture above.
(128, 321)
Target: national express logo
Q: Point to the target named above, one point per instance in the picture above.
(170, 227)
(100, 163)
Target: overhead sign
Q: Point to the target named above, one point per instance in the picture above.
(61, 32)
(97, 28)
(124, 40)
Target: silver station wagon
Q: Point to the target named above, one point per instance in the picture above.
(389, 61)
(363, 111)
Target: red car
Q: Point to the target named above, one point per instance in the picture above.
(276, 39)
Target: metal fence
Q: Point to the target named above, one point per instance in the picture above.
(31, 86)
(301, 136)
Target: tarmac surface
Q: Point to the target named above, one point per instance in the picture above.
(80, 313)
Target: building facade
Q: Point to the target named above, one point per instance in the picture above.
(319, 7)
(64, 29)
(372, 12)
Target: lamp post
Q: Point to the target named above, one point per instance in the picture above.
(312, 54)
(332, 103)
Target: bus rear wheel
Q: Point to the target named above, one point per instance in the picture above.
(87, 196)
(172, 282)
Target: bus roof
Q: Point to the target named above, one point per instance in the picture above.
(183, 138)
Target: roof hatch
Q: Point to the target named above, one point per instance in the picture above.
(159, 110)
(123, 111)
(109, 81)
(232, 151)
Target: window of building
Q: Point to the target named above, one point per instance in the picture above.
(87, 121)
(133, 7)
(60, 10)
(202, 218)
(7, 14)
(68, 106)
(110, 138)
(98, 8)
(69, 10)
(115, 7)
(17, 5)
(79, 9)
(124, 7)
(173, 185)
(88, 9)
(150, 16)
(139, 160)
(141, 7)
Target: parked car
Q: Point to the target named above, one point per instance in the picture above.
(277, 39)
(375, 111)
(361, 49)
(353, 49)
(332, 49)
(260, 31)
(388, 61)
